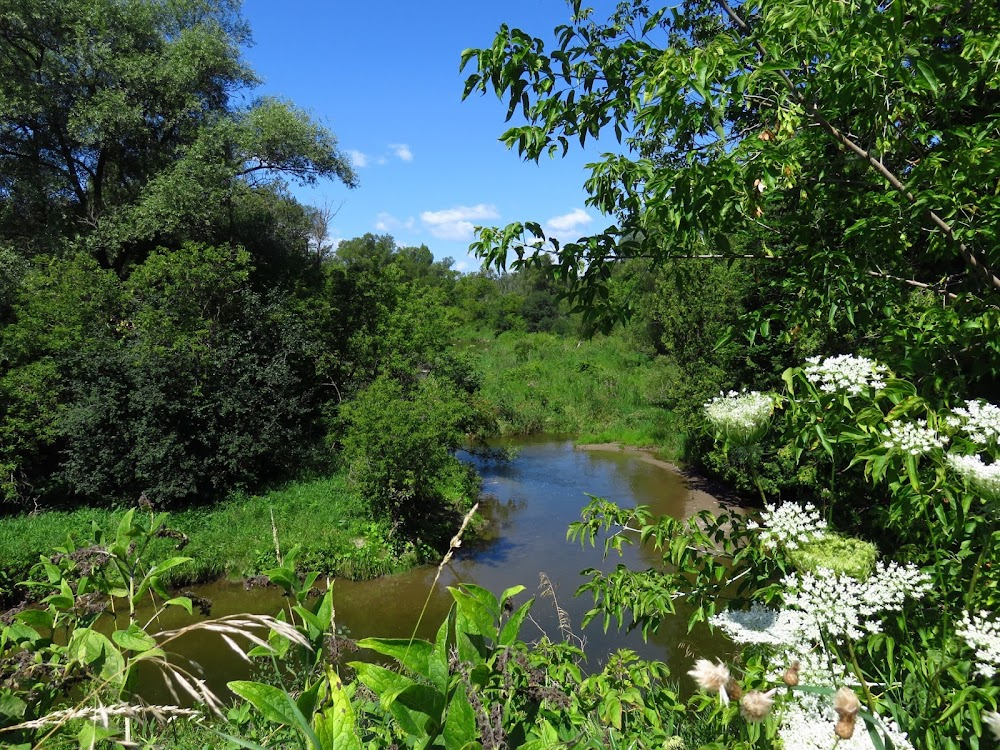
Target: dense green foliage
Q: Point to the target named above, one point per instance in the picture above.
(400, 446)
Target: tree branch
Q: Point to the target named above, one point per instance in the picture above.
(971, 259)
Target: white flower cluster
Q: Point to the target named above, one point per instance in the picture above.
(740, 417)
(977, 419)
(805, 727)
(763, 625)
(983, 478)
(846, 608)
(915, 438)
(845, 374)
(982, 635)
(789, 525)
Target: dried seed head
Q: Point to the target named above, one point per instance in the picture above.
(755, 705)
(710, 676)
(846, 703)
(791, 675)
(733, 690)
(845, 726)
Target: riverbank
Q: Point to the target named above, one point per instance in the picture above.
(704, 493)
(233, 538)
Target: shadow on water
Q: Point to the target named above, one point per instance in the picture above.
(528, 505)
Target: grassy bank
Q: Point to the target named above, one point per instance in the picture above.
(235, 537)
(600, 389)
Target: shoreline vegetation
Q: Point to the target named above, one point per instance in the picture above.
(537, 383)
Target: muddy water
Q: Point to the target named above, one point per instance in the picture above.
(528, 502)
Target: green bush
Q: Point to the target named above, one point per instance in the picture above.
(400, 446)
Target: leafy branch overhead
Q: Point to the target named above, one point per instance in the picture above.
(774, 118)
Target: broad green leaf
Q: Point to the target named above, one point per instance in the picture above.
(385, 683)
(512, 627)
(460, 723)
(36, 618)
(272, 703)
(335, 726)
(134, 639)
(414, 656)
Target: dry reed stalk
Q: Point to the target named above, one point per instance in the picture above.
(454, 544)
(565, 626)
(103, 714)
(174, 675)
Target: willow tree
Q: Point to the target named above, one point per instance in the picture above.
(118, 126)
(854, 143)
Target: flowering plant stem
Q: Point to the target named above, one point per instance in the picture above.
(859, 673)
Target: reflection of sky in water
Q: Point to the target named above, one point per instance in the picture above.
(528, 503)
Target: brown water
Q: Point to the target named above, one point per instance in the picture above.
(529, 503)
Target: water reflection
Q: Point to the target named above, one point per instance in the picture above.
(528, 505)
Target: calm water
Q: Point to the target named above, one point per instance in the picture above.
(529, 502)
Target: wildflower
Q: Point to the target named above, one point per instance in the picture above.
(992, 720)
(979, 420)
(740, 418)
(845, 608)
(983, 635)
(915, 438)
(789, 525)
(761, 624)
(845, 374)
(755, 705)
(712, 678)
(982, 478)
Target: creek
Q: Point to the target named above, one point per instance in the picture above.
(528, 503)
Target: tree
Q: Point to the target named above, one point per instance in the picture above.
(117, 126)
(854, 142)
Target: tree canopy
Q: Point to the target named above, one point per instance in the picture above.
(118, 126)
(853, 144)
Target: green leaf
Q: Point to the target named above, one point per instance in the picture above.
(414, 656)
(460, 723)
(385, 683)
(272, 703)
(134, 639)
(93, 733)
(13, 707)
(180, 601)
(36, 618)
(335, 726)
(512, 627)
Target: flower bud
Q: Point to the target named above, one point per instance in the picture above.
(845, 726)
(791, 675)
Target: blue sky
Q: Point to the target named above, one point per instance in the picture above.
(384, 76)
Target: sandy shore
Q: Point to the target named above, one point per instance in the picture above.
(703, 493)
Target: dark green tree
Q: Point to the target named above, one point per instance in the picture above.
(118, 129)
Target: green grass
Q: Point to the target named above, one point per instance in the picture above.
(600, 389)
(232, 538)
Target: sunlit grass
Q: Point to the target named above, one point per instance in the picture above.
(600, 389)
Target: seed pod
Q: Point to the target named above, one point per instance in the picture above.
(734, 690)
(791, 675)
(845, 726)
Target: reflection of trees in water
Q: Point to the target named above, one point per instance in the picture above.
(499, 513)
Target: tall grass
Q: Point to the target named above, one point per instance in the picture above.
(233, 537)
(600, 389)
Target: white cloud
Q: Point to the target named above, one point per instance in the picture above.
(468, 264)
(402, 151)
(568, 227)
(386, 222)
(457, 223)
(358, 159)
